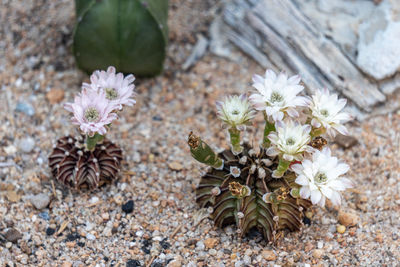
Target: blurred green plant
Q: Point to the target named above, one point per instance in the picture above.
(131, 35)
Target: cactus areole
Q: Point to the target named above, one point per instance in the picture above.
(131, 35)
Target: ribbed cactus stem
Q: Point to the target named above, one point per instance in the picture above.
(234, 135)
(283, 166)
(91, 141)
(269, 127)
(203, 152)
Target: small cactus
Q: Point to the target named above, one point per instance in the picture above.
(131, 35)
(75, 166)
(90, 160)
(269, 187)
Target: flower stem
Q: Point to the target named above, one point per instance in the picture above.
(234, 135)
(91, 141)
(269, 127)
(281, 169)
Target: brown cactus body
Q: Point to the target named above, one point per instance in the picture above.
(78, 168)
(283, 212)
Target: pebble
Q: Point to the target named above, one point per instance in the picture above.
(55, 96)
(317, 253)
(348, 218)
(200, 245)
(268, 255)
(66, 264)
(341, 229)
(90, 236)
(13, 235)
(44, 215)
(27, 144)
(8, 245)
(175, 263)
(50, 231)
(176, 166)
(210, 242)
(40, 201)
(26, 108)
(133, 263)
(128, 206)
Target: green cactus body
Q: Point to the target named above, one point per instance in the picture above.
(130, 35)
(281, 212)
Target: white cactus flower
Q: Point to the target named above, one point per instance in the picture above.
(290, 140)
(235, 111)
(325, 112)
(320, 178)
(278, 95)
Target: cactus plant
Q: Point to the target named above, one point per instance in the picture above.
(91, 160)
(129, 34)
(270, 187)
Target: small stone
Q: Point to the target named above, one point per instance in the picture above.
(176, 166)
(27, 144)
(50, 231)
(348, 218)
(44, 215)
(341, 229)
(175, 263)
(105, 216)
(128, 206)
(210, 242)
(90, 236)
(10, 150)
(13, 235)
(26, 108)
(212, 252)
(200, 245)
(40, 201)
(379, 238)
(317, 253)
(346, 141)
(66, 264)
(55, 96)
(268, 255)
(8, 245)
(133, 263)
(13, 196)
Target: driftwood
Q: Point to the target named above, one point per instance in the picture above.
(277, 34)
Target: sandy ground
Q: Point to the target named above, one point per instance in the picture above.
(37, 76)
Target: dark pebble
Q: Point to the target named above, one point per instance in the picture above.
(157, 264)
(133, 263)
(165, 244)
(13, 235)
(128, 206)
(146, 246)
(81, 244)
(157, 118)
(106, 259)
(72, 237)
(306, 221)
(50, 231)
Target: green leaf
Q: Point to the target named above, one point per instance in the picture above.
(128, 34)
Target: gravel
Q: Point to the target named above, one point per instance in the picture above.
(158, 174)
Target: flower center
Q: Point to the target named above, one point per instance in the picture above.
(290, 141)
(320, 178)
(276, 97)
(111, 93)
(235, 112)
(91, 114)
(324, 113)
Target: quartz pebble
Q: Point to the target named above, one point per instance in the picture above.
(348, 218)
(27, 144)
(40, 201)
(268, 255)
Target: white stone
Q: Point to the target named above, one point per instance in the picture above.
(378, 46)
(40, 201)
(27, 144)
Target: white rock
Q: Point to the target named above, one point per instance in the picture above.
(27, 144)
(90, 236)
(378, 46)
(40, 201)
